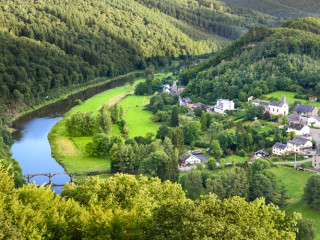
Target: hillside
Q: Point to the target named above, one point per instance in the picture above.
(260, 62)
(281, 8)
(48, 47)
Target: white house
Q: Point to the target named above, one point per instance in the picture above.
(279, 149)
(277, 108)
(166, 88)
(299, 129)
(314, 121)
(299, 145)
(222, 105)
(192, 160)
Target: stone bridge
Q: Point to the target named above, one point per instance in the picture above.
(28, 177)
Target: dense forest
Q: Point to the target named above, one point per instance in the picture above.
(260, 62)
(48, 46)
(281, 8)
(130, 207)
(213, 16)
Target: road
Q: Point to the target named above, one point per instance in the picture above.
(315, 133)
(291, 162)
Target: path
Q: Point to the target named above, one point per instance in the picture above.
(292, 162)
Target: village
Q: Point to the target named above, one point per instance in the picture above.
(302, 123)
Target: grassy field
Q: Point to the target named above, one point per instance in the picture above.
(70, 153)
(235, 158)
(290, 98)
(295, 182)
(137, 117)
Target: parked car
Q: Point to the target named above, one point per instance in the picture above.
(300, 168)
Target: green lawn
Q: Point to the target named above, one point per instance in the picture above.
(294, 180)
(137, 117)
(235, 158)
(290, 98)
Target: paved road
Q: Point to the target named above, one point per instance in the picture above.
(292, 162)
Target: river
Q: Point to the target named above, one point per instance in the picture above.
(31, 146)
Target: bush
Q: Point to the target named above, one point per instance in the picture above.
(77, 102)
(242, 153)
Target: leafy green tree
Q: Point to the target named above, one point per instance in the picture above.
(175, 117)
(191, 132)
(312, 192)
(162, 132)
(215, 149)
(203, 122)
(307, 229)
(214, 129)
(242, 96)
(194, 184)
(212, 163)
(256, 125)
(261, 186)
(259, 166)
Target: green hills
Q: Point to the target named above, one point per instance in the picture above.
(281, 8)
(49, 46)
(260, 62)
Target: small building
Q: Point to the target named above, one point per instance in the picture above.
(305, 110)
(314, 121)
(279, 108)
(294, 119)
(197, 151)
(299, 129)
(197, 105)
(299, 145)
(316, 161)
(166, 88)
(261, 153)
(250, 98)
(185, 101)
(313, 99)
(222, 105)
(192, 160)
(279, 149)
(210, 108)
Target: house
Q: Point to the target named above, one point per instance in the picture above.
(210, 108)
(261, 103)
(166, 88)
(314, 121)
(299, 145)
(181, 89)
(192, 160)
(299, 129)
(305, 110)
(313, 99)
(277, 108)
(279, 149)
(261, 153)
(197, 105)
(307, 136)
(222, 105)
(294, 119)
(250, 98)
(316, 161)
(182, 158)
(185, 101)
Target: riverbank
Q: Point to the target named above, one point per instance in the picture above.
(76, 90)
(70, 151)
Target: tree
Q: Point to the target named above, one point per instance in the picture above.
(203, 122)
(156, 164)
(254, 111)
(194, 183)
(191, 132)
(178, 139)
(215, 149)
(312, 192)
(175, 117)
(266, 115)
(260, 165)
(261, 186)
(212, 163)
(285, 120)
(162, 132)
(243, 97)
(214, 129)
(307, 230)
(256, 125)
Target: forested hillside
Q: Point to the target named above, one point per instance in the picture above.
(212, 16)
(260, 62)
(281, 8)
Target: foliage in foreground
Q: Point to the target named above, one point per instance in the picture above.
(126, 207)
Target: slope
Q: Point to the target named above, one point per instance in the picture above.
(260, 62)
(56, 44)
(281, 8)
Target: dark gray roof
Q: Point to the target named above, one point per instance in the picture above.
(301, 140)
(303, 108)
(186, 99)
(306, 135)
(294, 118)
(262, 151)
(261, 103)
(296, 126)
(280, 145)
(276, 104)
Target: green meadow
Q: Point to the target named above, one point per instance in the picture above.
(70, 151)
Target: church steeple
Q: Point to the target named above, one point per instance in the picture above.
(284, 99)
